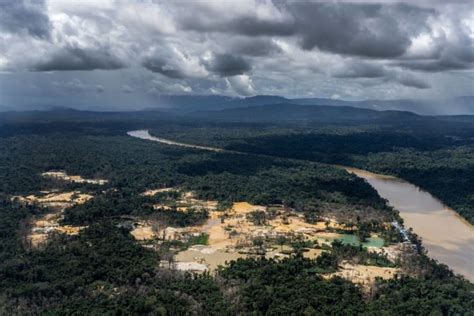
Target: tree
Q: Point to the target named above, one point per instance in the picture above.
(281, 240)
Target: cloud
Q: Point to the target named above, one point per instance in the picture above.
(159, 87)
(412, 81)
(446, 45)
(242, 85)
(245, 25)
(127, 89)
(73, 58)
(434, 65)
(442, 52)
(368, 30)
(359, 70)
(164, 67)
(227, 65)
(254, 46)
(250, 18)
(354, 49)
(355, 69)
(362, 29)
(169, 61)
(21, 16)
(76, 86)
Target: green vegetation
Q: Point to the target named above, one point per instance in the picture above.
(99, 271)
(446, 173)
(133, 166)
(437, 155)
(202, 239)
(294, 286)
(103, 270)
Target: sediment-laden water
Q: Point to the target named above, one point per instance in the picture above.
(447, 237)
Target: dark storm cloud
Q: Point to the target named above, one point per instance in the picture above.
(448, 56)
(368, 30)
(227, 65)
(244, 25)
(254, 47)
(17, 16)
(73, 58)
(434, 65)
(413, 82)
(365, 70)
(360, 70)
(164, 67)
(347, 49)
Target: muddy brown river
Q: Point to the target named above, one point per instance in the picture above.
(447, 237)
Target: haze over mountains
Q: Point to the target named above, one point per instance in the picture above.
(184, 104)
(453, 106)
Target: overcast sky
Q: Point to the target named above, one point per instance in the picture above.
(125, 54)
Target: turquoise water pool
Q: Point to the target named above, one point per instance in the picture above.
(349, 239)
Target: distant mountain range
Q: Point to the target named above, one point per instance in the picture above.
(182, 104)
(267, 113)
(290, 112)
(454, 106)
(268, 109)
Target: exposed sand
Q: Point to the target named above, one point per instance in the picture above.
(231, 234)
(185, 202)
(70, 230)
(42, 226)
(78, 179)
(143, 231)
(447, 237)
(184, 266)
(234, 231)
(393, 252)
(57, 199)
(363, 274)
(312, 253)
(156, 191)
(297, 224)
(245, 208)
(208, 256)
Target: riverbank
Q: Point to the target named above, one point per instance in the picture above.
(447, 237)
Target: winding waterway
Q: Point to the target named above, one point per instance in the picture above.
(447, 237)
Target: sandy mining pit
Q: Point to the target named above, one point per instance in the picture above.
(49, 223)
(61, 175)
(232, 234)
(156, 191)
(186, 201)
(364, 275)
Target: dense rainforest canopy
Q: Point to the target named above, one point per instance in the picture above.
(103, 270)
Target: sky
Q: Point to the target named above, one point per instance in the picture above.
(126, 54)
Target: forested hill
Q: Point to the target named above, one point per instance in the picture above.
(288, 112)
(273, 114)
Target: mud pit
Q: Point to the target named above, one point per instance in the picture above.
(233, 233)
